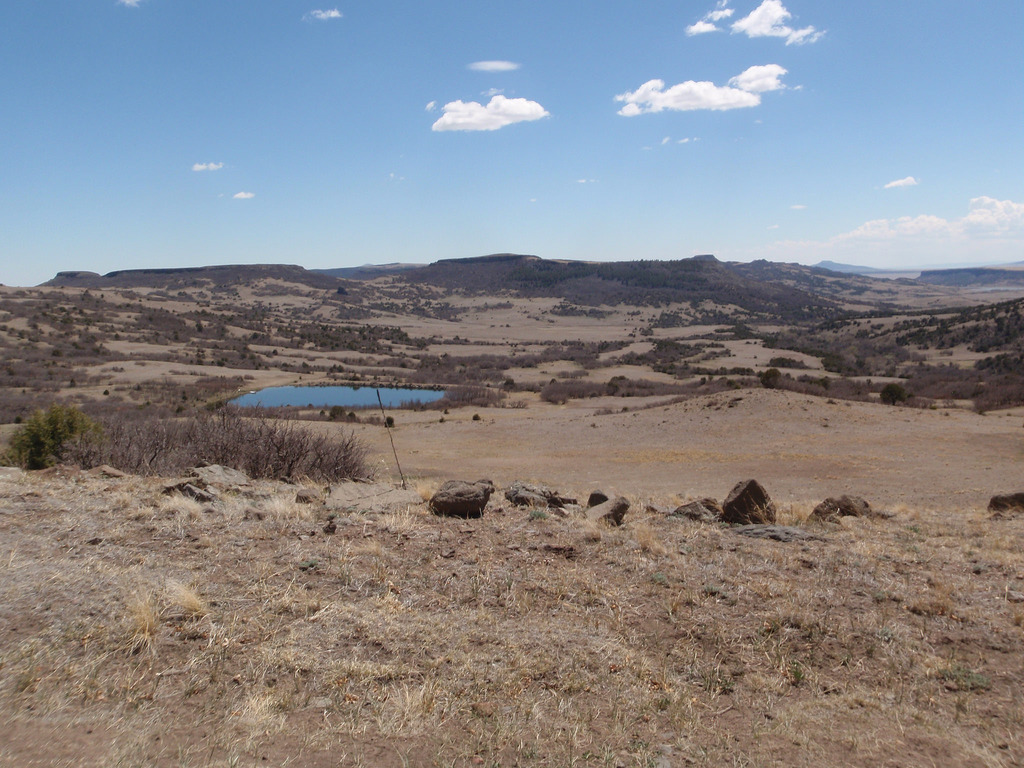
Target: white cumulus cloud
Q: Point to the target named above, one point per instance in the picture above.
(910, 181)
(207, 166)
(499, 112)
(702, 27)
(986, 215)
(742, 91)
(244, 195)
(652, 96)
(334, 13)
(759, 79)
(769, 20)
(493, 66)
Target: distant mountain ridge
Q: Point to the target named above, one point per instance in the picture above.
(847, 269)
(194, 277)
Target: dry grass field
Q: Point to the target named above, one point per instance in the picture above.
(146, 629)
(140, 628)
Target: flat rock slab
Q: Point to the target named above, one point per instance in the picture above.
(215, 474)
(373, 497)
(776, 533)
(11, 473)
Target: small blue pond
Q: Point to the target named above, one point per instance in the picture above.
(325, 397)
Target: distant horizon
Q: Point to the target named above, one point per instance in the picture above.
(150, 133)
(916, 268)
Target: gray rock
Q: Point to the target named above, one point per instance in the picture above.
(458, 498)
(190, 490)
(748, 503)
(105, 470)
(526, 495)
(11, 473)
(703, 511)
(845, 506)
(1007, 502)
(224, 477)
(610, 512)
(776, 533)
(370, 497)
(307, 496)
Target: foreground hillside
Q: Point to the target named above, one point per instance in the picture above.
(142, 628)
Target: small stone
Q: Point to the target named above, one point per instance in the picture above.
(596, 497)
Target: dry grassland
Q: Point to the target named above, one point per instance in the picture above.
(147, 630)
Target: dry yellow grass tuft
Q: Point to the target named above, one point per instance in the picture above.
(143, 623)
(183, 600)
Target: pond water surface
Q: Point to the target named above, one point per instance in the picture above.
(325, 397)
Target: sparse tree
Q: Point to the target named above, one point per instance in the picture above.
(893, 394)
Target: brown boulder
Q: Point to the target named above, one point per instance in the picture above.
(610, 512)
(702, 511)
(845, 506)
(1007, 502)
(526, 495)
(748, 503)
(458, 498)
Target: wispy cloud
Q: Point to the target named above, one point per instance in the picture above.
(499, 112)
(334, 13)
(207, 166)
(707, 22)
(910, 181)
(743, 91)
(493, 66)
(798, 207)
(991, 229)
(130, 3)
(244, 195)
(769, 20)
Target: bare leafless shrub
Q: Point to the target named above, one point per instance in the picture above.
(479, 396)
(260, 446)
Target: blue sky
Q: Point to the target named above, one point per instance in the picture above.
(155, 133)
